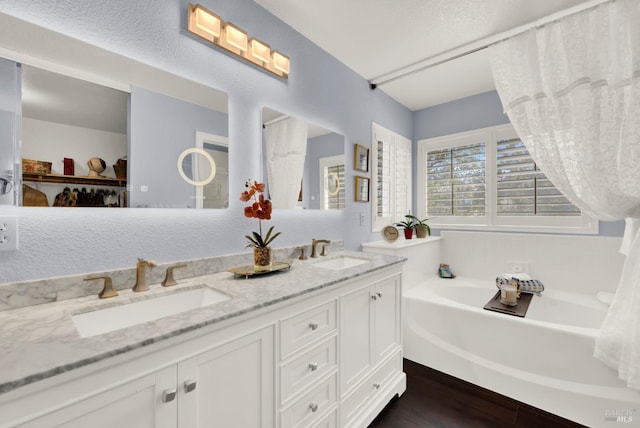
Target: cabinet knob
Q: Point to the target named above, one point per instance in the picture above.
(189, 385)
(168, 395)
(313, 407)
(376, 385)
(379, 294)
(313, 326)
(313, 366)
(374, 296)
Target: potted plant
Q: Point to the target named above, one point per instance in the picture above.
(421, 226)
(261, 209)
(407, 225)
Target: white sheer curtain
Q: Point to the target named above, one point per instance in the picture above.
(572, 91)
(285, 151)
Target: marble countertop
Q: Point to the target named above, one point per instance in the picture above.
(41, 341)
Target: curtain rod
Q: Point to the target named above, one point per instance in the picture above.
(277, 119)
(480, 44)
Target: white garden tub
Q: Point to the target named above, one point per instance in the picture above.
(545, 359)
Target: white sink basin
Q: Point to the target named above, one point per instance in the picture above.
(340, 263)
(114, 318)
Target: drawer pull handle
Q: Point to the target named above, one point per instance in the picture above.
(189, 385)
(376, 385)
(168, 395)
(313, 366)
(313, 407)
(313, 326)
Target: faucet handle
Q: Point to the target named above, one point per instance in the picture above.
(107, 289)
(324, 250)
(168, 278)
(302, 256)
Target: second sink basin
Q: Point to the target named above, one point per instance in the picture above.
(339, 263)
(114, 318)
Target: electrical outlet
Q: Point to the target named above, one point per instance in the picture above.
(8, 233)
(362, 219)
(518, 267)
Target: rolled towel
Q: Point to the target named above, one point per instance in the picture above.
(531, 286)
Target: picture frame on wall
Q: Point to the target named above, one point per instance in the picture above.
(361, 158)
(362, 189)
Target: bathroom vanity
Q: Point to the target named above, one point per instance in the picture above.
(320, 345)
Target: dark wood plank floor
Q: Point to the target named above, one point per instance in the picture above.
(436, 400)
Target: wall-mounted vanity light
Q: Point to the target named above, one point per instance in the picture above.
(230, 37)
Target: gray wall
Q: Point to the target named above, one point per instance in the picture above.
(319, 147)
(320, 89)
(466, 114)
(161, 128)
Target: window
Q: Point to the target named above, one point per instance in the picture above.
(391, 181)
(332, 189)
(522, 189)
(487, 179)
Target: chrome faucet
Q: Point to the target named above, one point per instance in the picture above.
(141, 281)
(315, 242)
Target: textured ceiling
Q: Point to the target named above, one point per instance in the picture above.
(375, 37)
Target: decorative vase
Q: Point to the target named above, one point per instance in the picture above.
(408, 233)
(421, 231)
(262, 258)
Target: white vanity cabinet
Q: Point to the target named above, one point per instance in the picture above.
(131, 402)
(371, 348)
(229, 385)
(328, 358)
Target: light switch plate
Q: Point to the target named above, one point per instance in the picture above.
(8, 233)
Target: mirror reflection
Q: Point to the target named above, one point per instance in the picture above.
(304, 163)
(85, 144)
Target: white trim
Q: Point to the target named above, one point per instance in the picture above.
(200, 139)
(397, 141)
(583, 224)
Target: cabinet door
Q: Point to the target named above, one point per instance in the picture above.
(356, 336)
(135, 403)
(387, 317)
(234, 384)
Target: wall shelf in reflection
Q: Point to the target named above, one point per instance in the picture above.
(73, 179)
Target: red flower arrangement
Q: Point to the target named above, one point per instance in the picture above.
(261, 209)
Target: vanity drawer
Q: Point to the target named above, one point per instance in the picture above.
(368, 391)
(304, 328)
(307, 368)
(311, 408)
(329, 421)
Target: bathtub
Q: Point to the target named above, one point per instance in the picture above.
(545, 359)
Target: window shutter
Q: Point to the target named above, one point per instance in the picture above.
(456, 184)
(524, 190)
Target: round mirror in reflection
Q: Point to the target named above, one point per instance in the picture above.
(333, 183)
(6, 186)
(196, 167)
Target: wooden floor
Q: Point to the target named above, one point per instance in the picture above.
(434, 399)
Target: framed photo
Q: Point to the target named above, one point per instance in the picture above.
(362, 189)
(361, 158)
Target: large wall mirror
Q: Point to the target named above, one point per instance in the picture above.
(304, 163)
(101, 130)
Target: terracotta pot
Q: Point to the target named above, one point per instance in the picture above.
(421, 231)
(262, 258)
(408, 233)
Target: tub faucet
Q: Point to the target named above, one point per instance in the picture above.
(141, 281)
(315, 242)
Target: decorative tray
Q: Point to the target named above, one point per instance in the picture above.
(520, 310)
(248, 271)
